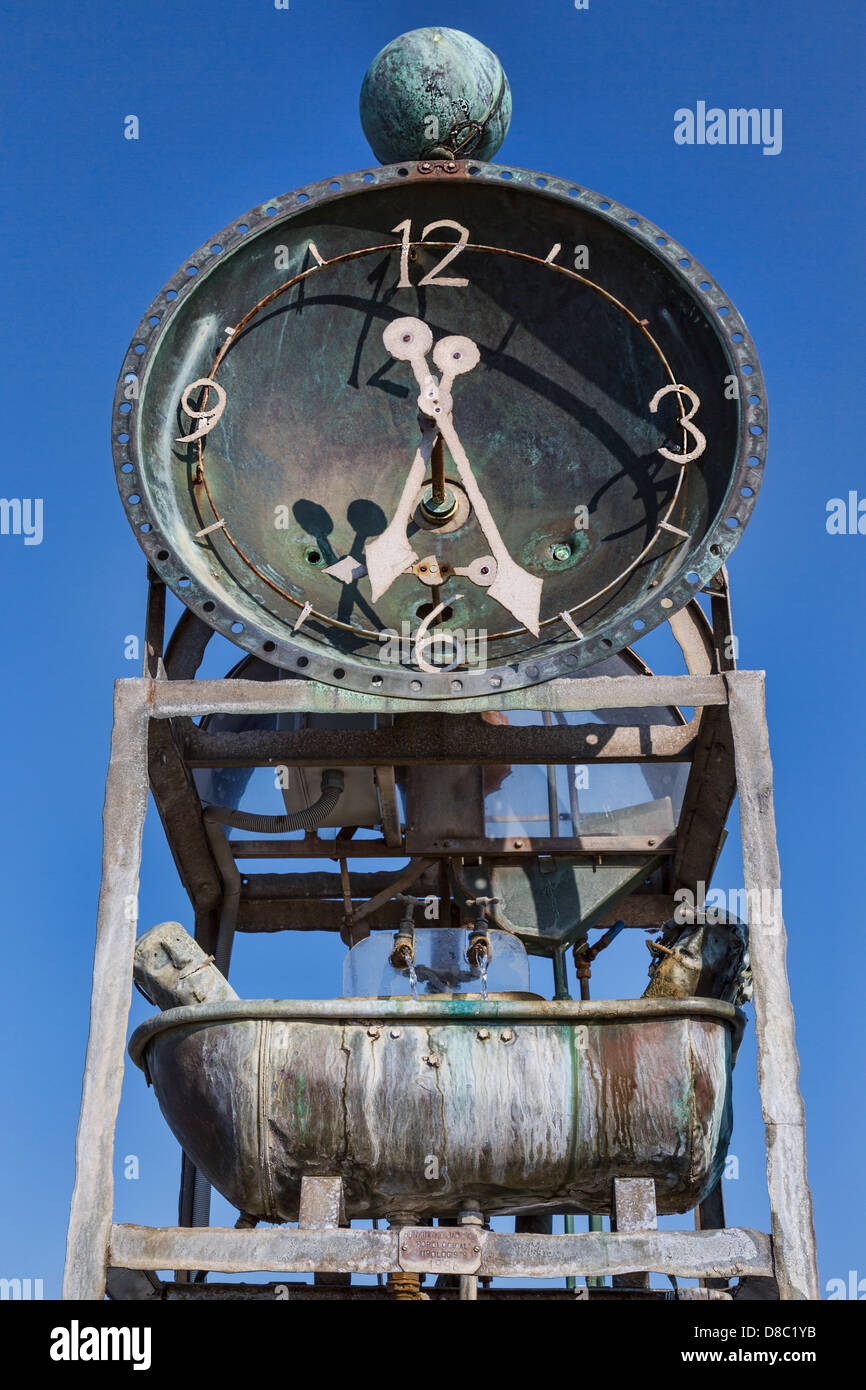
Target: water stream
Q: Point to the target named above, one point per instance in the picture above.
(482, 967)
(413, 978)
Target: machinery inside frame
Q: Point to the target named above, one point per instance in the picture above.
(446, 845)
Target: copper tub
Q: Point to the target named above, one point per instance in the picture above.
(512, 1104)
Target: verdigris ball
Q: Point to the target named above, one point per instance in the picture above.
(435, 94)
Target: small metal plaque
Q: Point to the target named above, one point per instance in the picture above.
(441, 1249)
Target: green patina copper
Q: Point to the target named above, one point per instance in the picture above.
(435, 93)
(524, 1103)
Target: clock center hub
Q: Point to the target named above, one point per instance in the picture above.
(438, 504)
(446, 516)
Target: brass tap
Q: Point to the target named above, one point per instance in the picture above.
(403, 953)
(478, 949)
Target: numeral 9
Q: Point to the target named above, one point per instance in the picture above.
(209, 415)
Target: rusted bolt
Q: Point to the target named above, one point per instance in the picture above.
(373, 1032)
(425, 168)
(433, 1059)
(395, 1032)
(518, 844)
(450, 167)
(507, 1035)
(483, 1034)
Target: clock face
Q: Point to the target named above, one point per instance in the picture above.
(432, 430)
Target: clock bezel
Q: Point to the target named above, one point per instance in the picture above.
(312, 658)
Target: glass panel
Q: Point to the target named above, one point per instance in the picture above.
(441, 966)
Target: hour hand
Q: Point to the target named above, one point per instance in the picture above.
(389, 555)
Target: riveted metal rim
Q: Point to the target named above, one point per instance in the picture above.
(319, 663)
(468, 1011)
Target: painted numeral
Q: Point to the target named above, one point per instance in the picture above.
(209, 415)
(686, 422)
(433, 276)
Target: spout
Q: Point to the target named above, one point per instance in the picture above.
(403, 953)
(479, 951)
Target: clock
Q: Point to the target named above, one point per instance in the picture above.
(438, 429)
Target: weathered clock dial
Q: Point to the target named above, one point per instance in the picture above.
(439, 427)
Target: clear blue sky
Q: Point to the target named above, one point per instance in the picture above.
(239, 102)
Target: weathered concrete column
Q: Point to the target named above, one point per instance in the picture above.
(778, 1063)
(123, 821)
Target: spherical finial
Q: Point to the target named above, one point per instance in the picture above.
(435, 94)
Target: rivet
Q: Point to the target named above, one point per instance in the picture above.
(483, 1034)
(507, 1035)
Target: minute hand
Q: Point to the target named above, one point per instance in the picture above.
(515, 588)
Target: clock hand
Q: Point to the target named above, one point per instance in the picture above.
(432, 571)
(409, 340)
(515, 588)
(390, 554)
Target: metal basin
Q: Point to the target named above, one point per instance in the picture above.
(516, 1105)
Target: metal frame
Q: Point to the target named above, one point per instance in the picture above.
(143, 709)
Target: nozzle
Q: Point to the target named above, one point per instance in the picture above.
(479, 950)
(403, 952)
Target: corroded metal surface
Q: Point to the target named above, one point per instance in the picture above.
(555, 906)
(709, 959)
(440, 1249)
(420, 1106)
(435, 93)
(552, 394)
(778, 1063)
(691, 1254)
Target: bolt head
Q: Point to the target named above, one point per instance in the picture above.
(395, 1032)
(561, 552)
(483, 1034)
